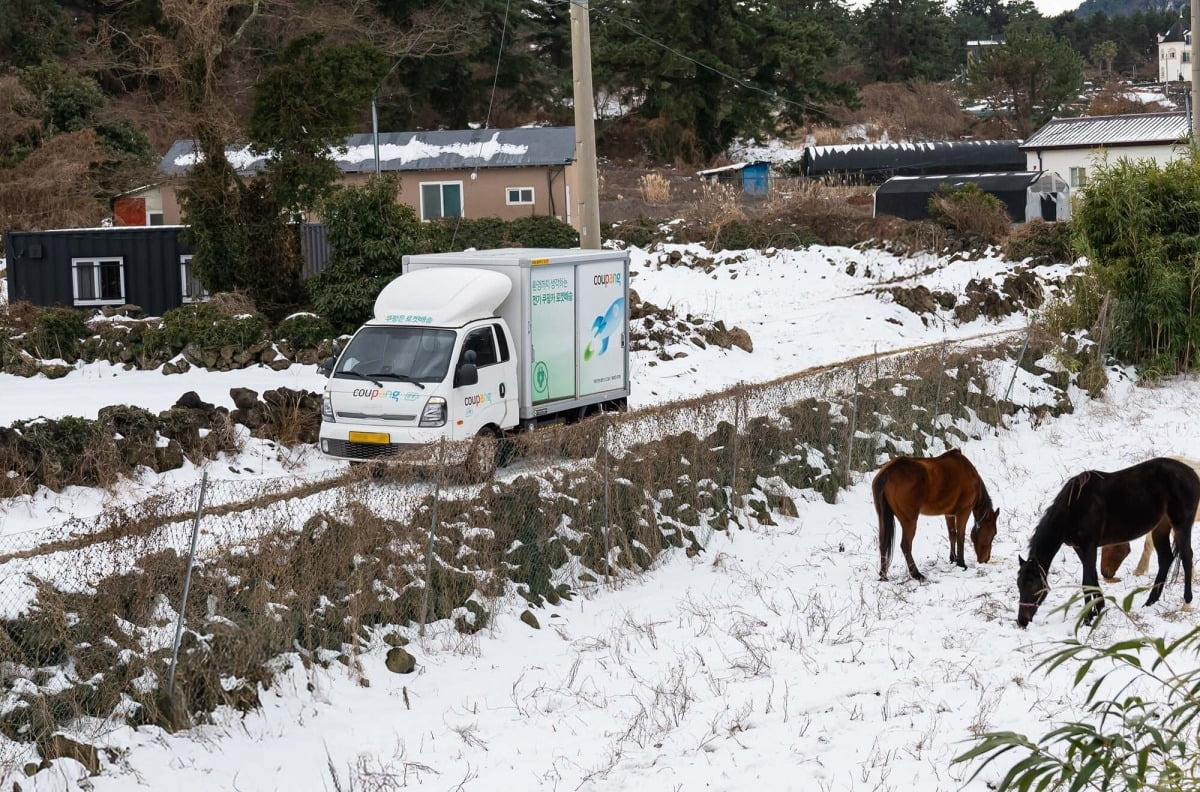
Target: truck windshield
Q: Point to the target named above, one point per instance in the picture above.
(413, 354)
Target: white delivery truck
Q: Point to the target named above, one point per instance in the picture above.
(477, 344)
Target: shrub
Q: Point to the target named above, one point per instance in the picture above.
(207, 328)
(655, 188)
(971, 212)
(1137, 227)
(57, 334)
(1041, 241)
(483, 233)
(542, 231)
(304, 330)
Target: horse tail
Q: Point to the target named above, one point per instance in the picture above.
(887, 519)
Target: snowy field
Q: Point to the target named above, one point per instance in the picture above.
(775, 659)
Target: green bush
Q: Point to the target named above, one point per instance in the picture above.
(483, 233)
(304, 330)
(1137, 225)
(208, 329)
(57, 334)
(542, 231)
(1048, 243)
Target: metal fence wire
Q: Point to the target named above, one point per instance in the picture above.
(322, 567)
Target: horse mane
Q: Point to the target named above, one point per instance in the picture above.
(983, 504)
(1043, 536)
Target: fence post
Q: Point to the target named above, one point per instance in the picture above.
(187, 585)
(853, 429)
(437, 496)
(1017, 367)
(937, 398)
(607, 509)
(733, 451)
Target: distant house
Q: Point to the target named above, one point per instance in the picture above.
(874, 163)
(978, 47)
(1175, 53)
(753, 178)
(1025, 195)
(1073, 147)
(506, 173)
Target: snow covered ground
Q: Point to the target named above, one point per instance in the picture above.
(775, 659)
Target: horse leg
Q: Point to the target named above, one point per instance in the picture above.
(1143, 564)
(1182, 531)
(950, 532)
(960, 536)
(906, 540)
(1162, 547)
(1093, 600)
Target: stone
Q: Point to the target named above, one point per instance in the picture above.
(192, 401)
(528, 617)
(55, 370)
(244, 398)
(399, 661)
(61, 746)
(279, 364)
(740, 338)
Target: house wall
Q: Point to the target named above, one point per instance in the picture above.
(483, 196)
(40, 264)
(1061, 161)
(1174, 61)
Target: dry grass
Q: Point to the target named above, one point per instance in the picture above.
(916, 110)
(655, 189)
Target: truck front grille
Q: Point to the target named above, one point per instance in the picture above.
(348, 450)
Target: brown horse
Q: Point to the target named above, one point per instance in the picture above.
(1112, 555)
(908, 487)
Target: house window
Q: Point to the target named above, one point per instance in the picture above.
(441, 199)
(98, 281)
(193, 291)
(154, 218)
(519, 195)
(1078, 177)
(1187, 56)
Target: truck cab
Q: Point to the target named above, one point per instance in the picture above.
(477, 344)
(420, 371)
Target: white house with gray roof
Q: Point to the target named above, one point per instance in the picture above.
(1074, 147)
(506, 173)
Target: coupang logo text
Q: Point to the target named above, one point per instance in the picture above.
(607, 279)
(377, 393)
(478, 400)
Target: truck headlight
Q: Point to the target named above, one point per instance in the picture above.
(327, 409)
(434, 413)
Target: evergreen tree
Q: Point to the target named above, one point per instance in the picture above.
(703, 72)
(1029, 78)
(369, 232)
(909, 39)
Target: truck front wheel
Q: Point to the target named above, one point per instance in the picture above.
(483, 456)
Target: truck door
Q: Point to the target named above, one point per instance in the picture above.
(484, 402)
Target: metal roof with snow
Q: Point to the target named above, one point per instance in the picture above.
(524, 147)
(1118, 130)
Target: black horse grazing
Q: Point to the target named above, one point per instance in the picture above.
(1095, 509)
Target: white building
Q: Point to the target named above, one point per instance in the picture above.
(1074, 147)
(1175, 54)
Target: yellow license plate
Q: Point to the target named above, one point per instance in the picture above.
(370, 437)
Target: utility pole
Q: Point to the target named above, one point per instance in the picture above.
(588, 201)
(1195, 76)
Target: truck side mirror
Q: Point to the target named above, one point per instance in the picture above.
(325, 367)
(465, 375)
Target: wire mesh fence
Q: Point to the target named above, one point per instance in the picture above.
(324, 567)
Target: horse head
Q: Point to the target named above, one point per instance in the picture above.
(983, 534)
(1032, 587)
